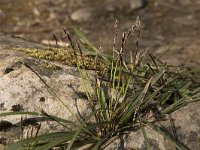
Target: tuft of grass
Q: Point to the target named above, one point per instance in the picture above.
(125, 96)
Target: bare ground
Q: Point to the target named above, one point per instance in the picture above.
(170, 27)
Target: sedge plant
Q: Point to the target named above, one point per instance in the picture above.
(123, 96)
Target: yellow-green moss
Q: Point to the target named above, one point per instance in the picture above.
(50, 66)
(64, 56)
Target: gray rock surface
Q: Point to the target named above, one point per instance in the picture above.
(22, 89)
(185, 122)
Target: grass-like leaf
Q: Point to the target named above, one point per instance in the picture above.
(144, 133)
(120, 94)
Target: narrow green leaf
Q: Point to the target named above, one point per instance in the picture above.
(37, 114)
(42, 139)
(166, 135)
(105, 110)
(73, 139)
(56, 142)
(176, 105)
(91, 49)
(151, 97)
(98, 144)
(18, 113)
(157, 77)
(165, 97)
(135, 104)
(146, 140)
(85, 40)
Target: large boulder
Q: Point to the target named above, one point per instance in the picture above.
(183, 125)
(28, 85)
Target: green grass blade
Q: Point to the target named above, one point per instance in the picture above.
(91, 49)
(165, 134)
(176, 105)
(135, 104)
(165, 97)
(73, 139)
(105, 110)
(56, 142)
(58, 119)
(85, 40)
(98, 144)
(146, 140)
(18, 113)
(157, 77)
(40, 140)
(150, 98)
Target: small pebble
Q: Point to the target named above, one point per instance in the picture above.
(2, 14)
(108, 6)
(82, 15)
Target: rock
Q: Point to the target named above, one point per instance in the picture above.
(107, 6)
(24, 89)
(2, 14)
(135, 4)
(2, 147)
(82, 14)
(186, 124)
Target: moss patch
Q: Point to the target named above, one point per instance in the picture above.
(51, 66)
(64, 56)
